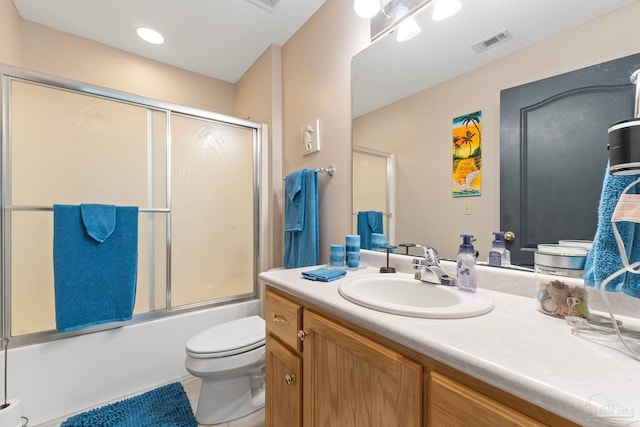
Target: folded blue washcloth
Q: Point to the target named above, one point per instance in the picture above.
(95, 264)
(324, 274)
(603, 258)
(99, 220)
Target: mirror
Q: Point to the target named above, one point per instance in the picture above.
(374, 174)
(405, 96)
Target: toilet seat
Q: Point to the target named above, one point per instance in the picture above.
(228, 339)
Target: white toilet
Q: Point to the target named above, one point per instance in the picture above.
(230, 359)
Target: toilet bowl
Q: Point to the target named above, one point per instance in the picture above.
(230, 359)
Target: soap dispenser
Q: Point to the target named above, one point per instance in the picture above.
(499, 256)
(466, 265)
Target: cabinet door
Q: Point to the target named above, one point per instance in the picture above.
(350, 380)
(454, 404)
(283, 386)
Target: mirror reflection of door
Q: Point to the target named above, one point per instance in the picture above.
(553, 133)
(374, 187)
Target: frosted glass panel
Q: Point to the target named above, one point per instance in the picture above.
(32, 308)
(73, 148)
(212, 211)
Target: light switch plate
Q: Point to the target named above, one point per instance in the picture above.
(311, 137)
(467, 208)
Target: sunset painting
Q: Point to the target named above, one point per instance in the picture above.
(467, 155)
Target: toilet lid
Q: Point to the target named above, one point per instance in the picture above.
(229, 338)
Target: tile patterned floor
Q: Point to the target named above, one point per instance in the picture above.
(192, 388)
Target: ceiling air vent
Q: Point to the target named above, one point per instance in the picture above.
(492, 41)
(269, 5)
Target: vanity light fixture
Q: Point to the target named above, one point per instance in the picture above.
(443, 9)
(150, 35)
(367, 8)
(407, 29)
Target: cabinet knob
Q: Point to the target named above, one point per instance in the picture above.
(509, 236)
(279, 319)
(302, 335)
(289, 378)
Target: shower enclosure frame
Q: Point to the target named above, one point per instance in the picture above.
(259, 132)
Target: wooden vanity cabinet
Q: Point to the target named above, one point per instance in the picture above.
(283, 402)
(284, 385)
(324, 371)
(347, 379)
(350, 380)
(451, 403)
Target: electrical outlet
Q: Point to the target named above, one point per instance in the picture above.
(467, 208)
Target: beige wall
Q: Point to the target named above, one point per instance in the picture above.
(418, 130)
(9, 34)
(61, 54)
(259, 98)
(308, 78)
(316, 69)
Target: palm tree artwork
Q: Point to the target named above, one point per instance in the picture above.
(467, 155)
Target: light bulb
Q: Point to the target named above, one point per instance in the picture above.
(444, 9)
(367, 8)
(407, 29)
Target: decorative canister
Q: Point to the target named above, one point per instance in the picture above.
(559, 272)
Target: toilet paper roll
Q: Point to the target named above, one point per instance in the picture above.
(11, 416)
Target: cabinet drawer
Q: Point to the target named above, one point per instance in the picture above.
(283, 318)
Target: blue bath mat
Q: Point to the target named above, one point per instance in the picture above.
(166, 406)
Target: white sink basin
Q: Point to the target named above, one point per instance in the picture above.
(401, 294)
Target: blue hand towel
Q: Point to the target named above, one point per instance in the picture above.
(301, 247)
(294, 201)
(95, 262)
(603, 258)
(323, 274)
(369, 222)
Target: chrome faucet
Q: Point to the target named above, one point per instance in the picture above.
(428, 268)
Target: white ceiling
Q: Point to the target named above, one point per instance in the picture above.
(217, 38)
(223, 38)
(388, 71)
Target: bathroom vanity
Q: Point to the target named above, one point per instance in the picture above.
(332, 362)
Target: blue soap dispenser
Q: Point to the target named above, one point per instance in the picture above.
(499, 255)
(466, 265)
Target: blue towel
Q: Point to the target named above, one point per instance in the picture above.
(294, 201)
(324, 274)
(95, 264)
(603, 258)
(301, 247)
(369, 222)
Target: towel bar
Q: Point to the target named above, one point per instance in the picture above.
(50, 208)
(330, 170)
(383, 213)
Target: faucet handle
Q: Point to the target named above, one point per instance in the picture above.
(430, 255)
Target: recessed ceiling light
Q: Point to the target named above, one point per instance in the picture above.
(149, 35)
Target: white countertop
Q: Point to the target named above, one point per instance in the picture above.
(514, 347)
